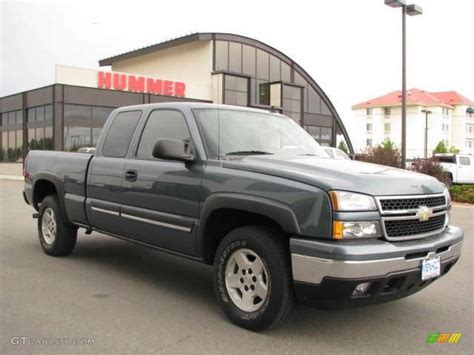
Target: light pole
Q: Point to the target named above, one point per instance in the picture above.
(411, 10)
(426, 112)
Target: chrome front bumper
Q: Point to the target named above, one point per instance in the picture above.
(364, 260)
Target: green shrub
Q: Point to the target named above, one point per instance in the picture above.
(384, 154)
(430, 167)
(462, 193)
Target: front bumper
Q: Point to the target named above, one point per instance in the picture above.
(326, 273)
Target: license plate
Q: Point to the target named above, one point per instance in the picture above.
(430, 268)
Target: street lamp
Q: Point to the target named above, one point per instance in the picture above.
(426, 112)
(411, 10)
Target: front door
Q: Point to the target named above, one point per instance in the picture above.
(161, 203)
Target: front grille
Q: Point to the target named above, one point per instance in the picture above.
(395, 204)
(413, 227)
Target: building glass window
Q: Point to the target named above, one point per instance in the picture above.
(314, 101)
(292, 102)
(40, 128)
(368, 142)
(368, 111)
(83, 124)
(235, 57)
(263, 65)
(12, 136)
(274, 68)
(4, 146)
(248, 60)
(285, 72)
(263, 93)
(19, 117)
(323, 135)
(386, 127)
(386, 111)
(236, 90)
(222, 55)
(39, 113)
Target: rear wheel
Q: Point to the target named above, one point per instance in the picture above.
(252, 277)
(57, 237)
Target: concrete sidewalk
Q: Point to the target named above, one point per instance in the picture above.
(11, 171)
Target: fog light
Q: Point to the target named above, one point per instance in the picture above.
(361, 289)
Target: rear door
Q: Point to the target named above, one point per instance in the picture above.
(162, 196)
(104, 188)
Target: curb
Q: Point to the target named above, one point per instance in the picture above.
(12, 177)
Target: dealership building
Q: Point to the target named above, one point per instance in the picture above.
(201, 67)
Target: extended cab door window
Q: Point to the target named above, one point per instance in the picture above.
(120, 134)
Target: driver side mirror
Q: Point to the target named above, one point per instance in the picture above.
(171, 149)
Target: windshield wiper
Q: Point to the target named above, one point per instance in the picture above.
(249, 152)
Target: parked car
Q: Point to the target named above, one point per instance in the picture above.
(88, 150)
(254, 195)
(459, 166)
(336, 153)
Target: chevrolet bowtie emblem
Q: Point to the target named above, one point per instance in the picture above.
(424, 213)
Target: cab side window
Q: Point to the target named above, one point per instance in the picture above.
(163, 124)
(464, 161)
(120, 134)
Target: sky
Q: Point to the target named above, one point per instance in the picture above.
(351, 48)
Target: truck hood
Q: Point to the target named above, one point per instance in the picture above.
(332, 174)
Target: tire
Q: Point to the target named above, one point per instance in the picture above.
(247, 304)
(57, 237)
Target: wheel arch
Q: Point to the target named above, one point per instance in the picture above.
(45, 184)
(224, 212)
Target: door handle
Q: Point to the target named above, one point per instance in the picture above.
(131, 175)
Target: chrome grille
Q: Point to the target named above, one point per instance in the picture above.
(400, 219)
(396, 204)
(413, 227)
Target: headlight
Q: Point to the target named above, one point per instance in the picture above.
(447, 195)
(355, 230)
(349, 201)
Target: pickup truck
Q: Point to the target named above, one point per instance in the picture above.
(460, 167)
(254, 195)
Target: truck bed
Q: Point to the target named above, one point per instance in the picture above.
(67, 170)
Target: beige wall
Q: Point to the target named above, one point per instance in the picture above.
(190, 63)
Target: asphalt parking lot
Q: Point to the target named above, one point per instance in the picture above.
(130, 299)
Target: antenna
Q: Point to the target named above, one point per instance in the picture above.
(219, 98)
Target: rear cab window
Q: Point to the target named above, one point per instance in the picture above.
(464, 161)
(120, 133)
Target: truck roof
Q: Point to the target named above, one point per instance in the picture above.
(191, 105)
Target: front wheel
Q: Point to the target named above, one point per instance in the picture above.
(252, 277)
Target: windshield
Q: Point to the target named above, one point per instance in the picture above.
(238, 133)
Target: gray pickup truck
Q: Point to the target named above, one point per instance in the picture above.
(251, 193)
